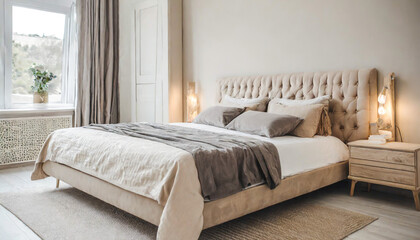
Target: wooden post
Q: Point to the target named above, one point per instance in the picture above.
(57, 183)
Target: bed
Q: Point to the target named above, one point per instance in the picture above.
(166, 191)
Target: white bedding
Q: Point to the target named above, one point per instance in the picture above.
(168, 174)
(297, 154)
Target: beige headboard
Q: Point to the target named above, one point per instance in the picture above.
(354, 95)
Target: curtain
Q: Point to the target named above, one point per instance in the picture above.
(97, 77)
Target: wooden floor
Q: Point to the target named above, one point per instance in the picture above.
(397, 217)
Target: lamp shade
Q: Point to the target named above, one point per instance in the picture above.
(381, 110)
(192, 102)
(382, 97)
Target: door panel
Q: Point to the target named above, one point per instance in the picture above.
(146, 43)
(146, 103)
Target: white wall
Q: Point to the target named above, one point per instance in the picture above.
(237, 37)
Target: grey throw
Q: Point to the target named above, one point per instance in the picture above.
(226, 164)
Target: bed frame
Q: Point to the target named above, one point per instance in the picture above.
(352, 108)
(215, 212)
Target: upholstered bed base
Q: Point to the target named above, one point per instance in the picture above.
(215, 212)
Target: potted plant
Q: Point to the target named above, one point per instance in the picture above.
(41, 79)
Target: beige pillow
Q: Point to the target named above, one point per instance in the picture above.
(311, 115)
(250, 104)
(324, 128)
(264, 124)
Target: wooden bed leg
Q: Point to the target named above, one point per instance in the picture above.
(416, 200)
(353, 184)
(57, 183)
(369, 185)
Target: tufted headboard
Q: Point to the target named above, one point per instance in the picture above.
(353, 95)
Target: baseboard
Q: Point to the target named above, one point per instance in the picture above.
(17, 164)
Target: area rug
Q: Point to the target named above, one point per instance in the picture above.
(68, 213)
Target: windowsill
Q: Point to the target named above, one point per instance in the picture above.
(33, 110)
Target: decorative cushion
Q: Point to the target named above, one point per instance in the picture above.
(311, 115)
(255, 104)
(218, 116)
(264, 124)
(324, 128)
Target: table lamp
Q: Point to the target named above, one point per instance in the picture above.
(192, 102)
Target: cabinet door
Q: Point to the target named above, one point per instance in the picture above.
(146, 30)
(156, 62)
(146, 103)
(146, 51)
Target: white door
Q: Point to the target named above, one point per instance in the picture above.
(146, 47)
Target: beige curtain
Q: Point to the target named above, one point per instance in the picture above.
(97, 78)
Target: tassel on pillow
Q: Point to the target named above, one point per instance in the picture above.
(324, 128)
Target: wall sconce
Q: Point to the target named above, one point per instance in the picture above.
(192, 102)
(386, 108)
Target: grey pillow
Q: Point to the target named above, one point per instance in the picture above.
(218, 116)
(264, 124)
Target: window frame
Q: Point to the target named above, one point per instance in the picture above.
(6, 40)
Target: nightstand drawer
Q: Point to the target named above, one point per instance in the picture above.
(382, 164)
(406, 158)
(384, 174)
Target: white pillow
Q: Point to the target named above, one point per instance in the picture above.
(255, 104)
(289, 102)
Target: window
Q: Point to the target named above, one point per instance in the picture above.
(40, 33)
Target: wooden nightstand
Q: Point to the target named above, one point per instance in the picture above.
(393, 164)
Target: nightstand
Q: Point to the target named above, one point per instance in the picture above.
(393, 164)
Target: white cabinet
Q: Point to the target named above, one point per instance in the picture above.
(157, 70)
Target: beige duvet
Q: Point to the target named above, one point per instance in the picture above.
(151, 169)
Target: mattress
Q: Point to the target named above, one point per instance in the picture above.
(297, 155)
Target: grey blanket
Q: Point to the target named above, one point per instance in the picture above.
(226, 164)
